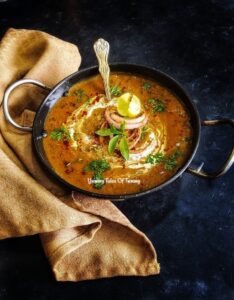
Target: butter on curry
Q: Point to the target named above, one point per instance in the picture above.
(132, 143)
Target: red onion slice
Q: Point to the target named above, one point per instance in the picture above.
(134, 138)
(120, 119)
(135, 123)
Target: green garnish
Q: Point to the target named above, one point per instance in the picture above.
(122, 127)
(169, 162)
(56, 134)
(123, 147)
(97, 167)
(98, 181)
(155, 159)
(157, 105)
(60, 133)
(146, 86)
(108, 131)
(144, 130)
(118, 139)
(115, 130)
(112, 144)
(115, 91)
(80, 93)
(104, 132)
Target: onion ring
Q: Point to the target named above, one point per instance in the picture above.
(111, 120)
(134, 138)
(120, 119)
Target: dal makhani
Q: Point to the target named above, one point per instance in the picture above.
(132, 143)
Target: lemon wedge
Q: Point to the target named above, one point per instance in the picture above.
(128, 105)
(123, 104)
(134, 108)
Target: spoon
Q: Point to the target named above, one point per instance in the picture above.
(101, 48)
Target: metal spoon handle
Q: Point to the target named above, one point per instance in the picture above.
(101, 48)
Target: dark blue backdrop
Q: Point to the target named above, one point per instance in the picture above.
(190, 222)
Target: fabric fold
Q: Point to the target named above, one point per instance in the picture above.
(83, 237)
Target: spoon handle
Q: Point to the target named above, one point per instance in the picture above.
(101, 48)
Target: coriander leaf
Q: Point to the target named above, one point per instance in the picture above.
(56, 134)
(66, 132)
(170, 165)
(99, 165)
(60, 133)
(146, 86)
(123, 147)
(104, 132)
(112, 144)
(79, 93)
(115, 90)
(98, 180)
(155, 159)
(176, 154)
(157, 105)
(171, 161)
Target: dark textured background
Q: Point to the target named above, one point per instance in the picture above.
(190, 222)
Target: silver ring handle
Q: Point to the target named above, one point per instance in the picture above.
(227, 164)
(6, 99)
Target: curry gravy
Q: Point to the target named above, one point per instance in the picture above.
(70, 163)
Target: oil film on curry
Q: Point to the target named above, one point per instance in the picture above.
(131, 143)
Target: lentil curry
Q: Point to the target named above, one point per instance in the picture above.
(131, 143)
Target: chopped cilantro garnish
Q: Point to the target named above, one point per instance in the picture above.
(98, 180)
(79, 93)
(169, 162)
(155, 159)
(118, 139)
(97, 167)
(157, 105)
(146, 86)
(115, 91)
(60, 133)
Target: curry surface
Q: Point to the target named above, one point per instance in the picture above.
(175, 118)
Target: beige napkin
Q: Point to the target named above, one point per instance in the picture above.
(83, 237)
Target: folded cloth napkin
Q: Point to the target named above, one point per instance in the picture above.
(83, 237)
